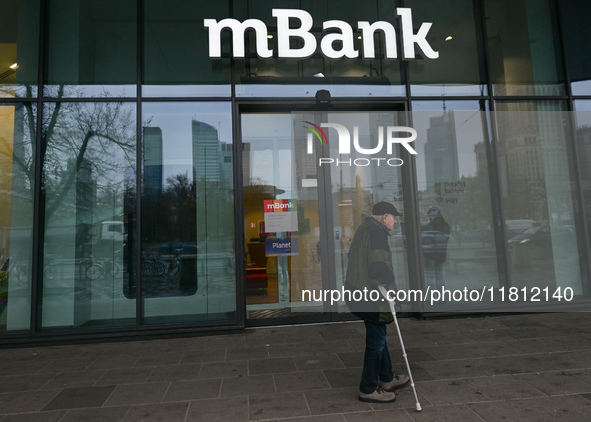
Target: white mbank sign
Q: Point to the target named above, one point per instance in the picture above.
(337, 42)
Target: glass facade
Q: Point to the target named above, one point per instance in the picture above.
(576, 32)
(187, 231)
(92, 49)
(524, 48)
(345, 77)
(88, 177)
(137, 164)
(457, 36)
(175, 50)
(17, 178)
(538, 193)
(453, 181)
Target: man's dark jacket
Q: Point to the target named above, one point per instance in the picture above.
(370, 263)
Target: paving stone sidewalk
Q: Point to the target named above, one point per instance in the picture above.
(530, 367)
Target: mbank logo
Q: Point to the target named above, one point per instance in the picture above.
(344, 144)
(337, 40)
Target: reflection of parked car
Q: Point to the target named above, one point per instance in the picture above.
(537, 241)
(544, 236)
(518, 226)
(180, 248)
(534, 242)
(536, 234)
(113, 230)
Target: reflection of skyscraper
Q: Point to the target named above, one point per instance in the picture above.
(206, 151)
(441, 150)
(520, 148)
(226, 166)
(481, 159)
(534, 161)
(152, 180)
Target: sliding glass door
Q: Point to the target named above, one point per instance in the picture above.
(304, 196)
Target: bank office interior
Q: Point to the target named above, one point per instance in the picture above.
(93, 91)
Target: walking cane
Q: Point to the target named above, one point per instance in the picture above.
(382, 290)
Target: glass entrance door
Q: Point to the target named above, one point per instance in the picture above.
(281, 216)
(303, 198)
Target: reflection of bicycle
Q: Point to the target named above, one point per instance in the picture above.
(50, 269)
(106, 268)
(18, 272)
(6, 262)
(152, 264)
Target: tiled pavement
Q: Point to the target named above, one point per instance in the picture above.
(499, 368)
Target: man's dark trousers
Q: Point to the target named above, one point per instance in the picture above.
(376, 364)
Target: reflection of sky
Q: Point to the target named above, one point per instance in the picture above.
(582, 114)
(468, 120)
(175, 121)
(581, 88)
(92, 91)
(309, 91)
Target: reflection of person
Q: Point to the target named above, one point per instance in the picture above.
(435, 235)
(370, 264)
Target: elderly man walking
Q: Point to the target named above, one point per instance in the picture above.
(370, 265)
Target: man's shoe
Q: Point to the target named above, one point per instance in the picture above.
(398, 381)
(378, 396)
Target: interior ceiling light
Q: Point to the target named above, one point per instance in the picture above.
(318, 75)
(269, 36)
(14, 66)
(449, 37)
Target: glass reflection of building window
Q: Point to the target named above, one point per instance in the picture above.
(19, 47)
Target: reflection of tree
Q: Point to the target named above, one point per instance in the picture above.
(85, 146)
(173, 214)
(75, 135)
(92, 134)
